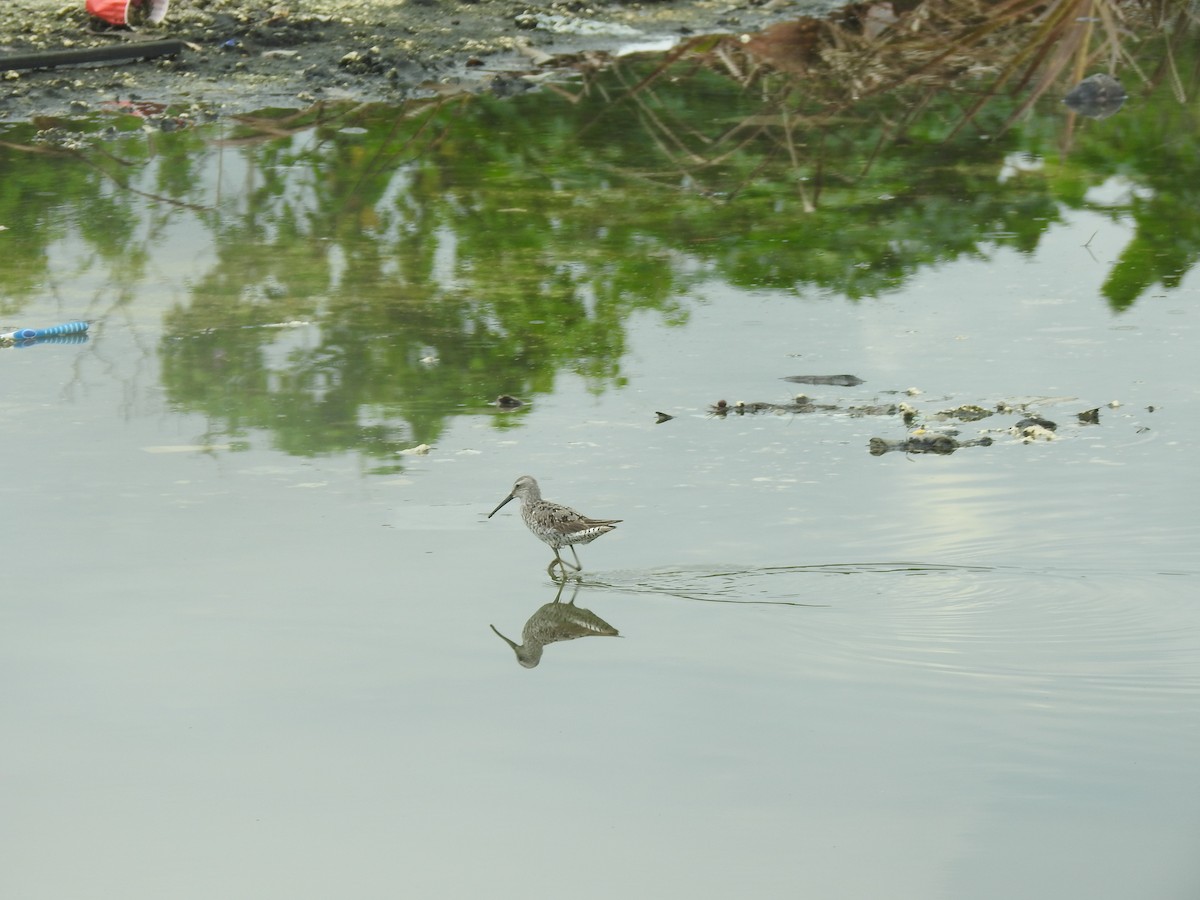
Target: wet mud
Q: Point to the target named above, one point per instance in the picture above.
(237, 56)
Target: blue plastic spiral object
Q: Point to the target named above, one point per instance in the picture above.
(28, 334)
(55, 339)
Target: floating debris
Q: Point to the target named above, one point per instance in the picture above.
(800, 404)
(882, 409)
(1029, 427)
(504, 401)
(1036, 422)
(662, 417)
(924, 442)
(29, 334)
(419, 450)
(1097, 96)
(1032, 432)
(968, 412)
(68, 333)
(839, 380)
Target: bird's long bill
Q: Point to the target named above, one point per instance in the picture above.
(502, 502)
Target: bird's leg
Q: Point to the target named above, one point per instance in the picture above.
(557, 561)
(578, 566)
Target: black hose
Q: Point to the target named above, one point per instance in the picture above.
(50, 58)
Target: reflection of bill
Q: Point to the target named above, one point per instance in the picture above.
(554, 622)
(128, 12)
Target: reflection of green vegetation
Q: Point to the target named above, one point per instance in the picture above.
(1155, 154)
(512, 240)
(52, 190)
(481, 261)
(38, 188)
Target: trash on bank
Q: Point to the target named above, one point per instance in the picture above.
(128, 12)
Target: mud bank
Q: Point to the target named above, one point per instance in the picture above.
(239, 56)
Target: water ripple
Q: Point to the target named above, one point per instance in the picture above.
(1034, 632)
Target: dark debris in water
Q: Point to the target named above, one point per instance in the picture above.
(1037, 422)
(925, 442)
(1028, 426)
(968, 412)
(1097, 96)
(839, 380)
(799, 405)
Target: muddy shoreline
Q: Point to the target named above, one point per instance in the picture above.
(243, 55)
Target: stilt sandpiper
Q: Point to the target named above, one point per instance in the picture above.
(558, 526)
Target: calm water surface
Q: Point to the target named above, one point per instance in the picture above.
(245, 636)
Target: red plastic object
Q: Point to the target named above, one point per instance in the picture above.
(116, 12)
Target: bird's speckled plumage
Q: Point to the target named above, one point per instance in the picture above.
(555, 524)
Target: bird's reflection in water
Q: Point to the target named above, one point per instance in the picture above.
(556, 621)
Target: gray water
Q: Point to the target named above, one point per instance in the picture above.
(236, 670)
